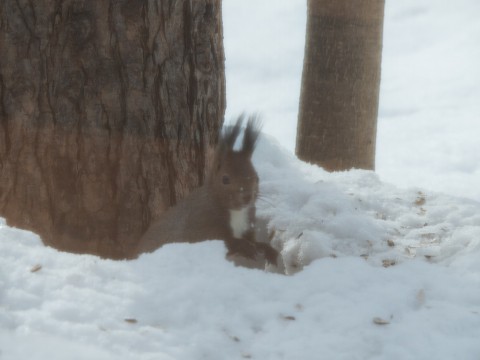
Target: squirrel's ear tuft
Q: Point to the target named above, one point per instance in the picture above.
(226, 141)
(230, 134)
(252, 131)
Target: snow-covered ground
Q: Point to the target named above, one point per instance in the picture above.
(375, 271)
(397, 276)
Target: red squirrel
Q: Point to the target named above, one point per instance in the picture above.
(223, 208)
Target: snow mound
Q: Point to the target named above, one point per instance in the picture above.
(315, 214)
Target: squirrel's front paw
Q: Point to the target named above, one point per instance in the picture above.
(269, 252)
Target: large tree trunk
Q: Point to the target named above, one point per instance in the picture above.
(340, 84)
(109, 112)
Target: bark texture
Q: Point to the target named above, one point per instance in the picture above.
(340, 84)
(109, 112)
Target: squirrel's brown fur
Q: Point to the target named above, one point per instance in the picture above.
(223, 208)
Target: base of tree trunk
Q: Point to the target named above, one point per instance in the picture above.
(109, 113)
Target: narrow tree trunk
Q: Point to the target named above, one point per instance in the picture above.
(340, 84)
(109, 111)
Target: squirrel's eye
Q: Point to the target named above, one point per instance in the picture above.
(225, 180)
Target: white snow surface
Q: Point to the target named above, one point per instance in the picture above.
(374, 271)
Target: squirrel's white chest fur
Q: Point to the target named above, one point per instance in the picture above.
(239, 222)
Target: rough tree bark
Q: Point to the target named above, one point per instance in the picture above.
(340, 84)
(109, 111)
